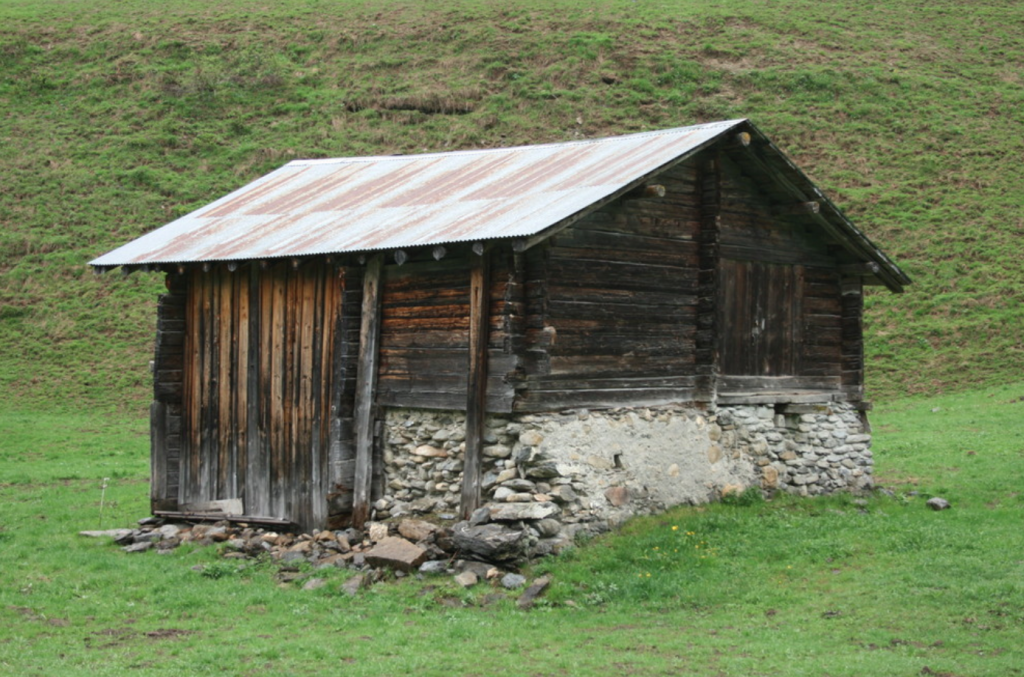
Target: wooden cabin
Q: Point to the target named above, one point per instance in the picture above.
(693, 265)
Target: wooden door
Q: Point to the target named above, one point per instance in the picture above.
(259, 350)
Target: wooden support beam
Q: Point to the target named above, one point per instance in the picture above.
(476, 383)
(366, 386)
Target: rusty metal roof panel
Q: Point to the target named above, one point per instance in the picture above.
(368, 203)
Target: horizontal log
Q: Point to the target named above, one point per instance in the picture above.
(567, 383)
(777, 398)
(169, 375)
(733, 383)
(860, 269)
(423, 398)
(766, 253)
(422, 296)
(170, 338)
(446, 310)
(167, 392)
(596, 239)
(424, 323)
(618, 345)
(601, 312)
(598, 366)
(821, 290)
(817, 306)
(820, 353)
(602, 399)
(796, 209)
(681, 223)
(439, 362)
(620, 275)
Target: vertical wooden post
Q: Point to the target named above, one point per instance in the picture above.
(366, 386)
(476, 383)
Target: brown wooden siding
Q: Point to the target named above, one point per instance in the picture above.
(853, 339)
(779, 295)
(259, 369)
(424, 353)
(612, 304)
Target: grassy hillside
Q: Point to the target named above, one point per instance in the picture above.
(116, 117)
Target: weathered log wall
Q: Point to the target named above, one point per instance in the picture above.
(424, 346)
(779, 305)
(612, 304)
(165, 412)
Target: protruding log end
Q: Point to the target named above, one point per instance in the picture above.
(654, 190)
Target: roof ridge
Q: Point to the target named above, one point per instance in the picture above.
(618, 138)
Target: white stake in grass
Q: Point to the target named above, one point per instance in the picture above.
(103, 496)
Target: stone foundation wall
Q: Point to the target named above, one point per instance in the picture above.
(561, 473)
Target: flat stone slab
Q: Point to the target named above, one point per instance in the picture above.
(396, 553)
(514, 512)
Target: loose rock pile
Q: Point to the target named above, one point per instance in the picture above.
(469, 552)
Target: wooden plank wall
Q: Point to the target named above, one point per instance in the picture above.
(611, 304)
(853, 339)
(165, 412)
(780, 302)
(708, 280)
(425, 334)
(259, 356)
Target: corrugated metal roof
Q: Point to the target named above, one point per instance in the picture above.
(369, 203)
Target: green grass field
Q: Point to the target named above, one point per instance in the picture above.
(116, 117)
(831, 586)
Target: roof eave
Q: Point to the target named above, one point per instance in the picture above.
(762, 151)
